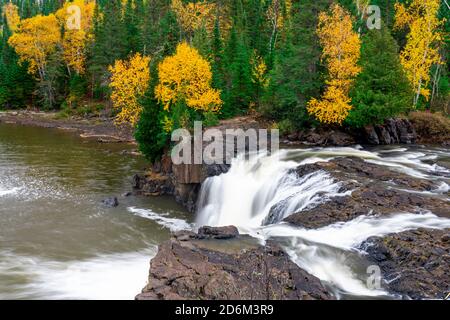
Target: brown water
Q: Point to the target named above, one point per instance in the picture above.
(56, 238)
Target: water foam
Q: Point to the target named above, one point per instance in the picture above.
(172, 224)
(105, 277)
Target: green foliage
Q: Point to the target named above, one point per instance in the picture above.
(149, 134)
(382, 90)
(296, 76)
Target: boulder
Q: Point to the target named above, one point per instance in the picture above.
(111, 202)
(229, 232)
(371, 135)
(375, 190)
(192, 267)
(414, 264)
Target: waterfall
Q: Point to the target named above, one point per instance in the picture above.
(257, 194)
(262, 190)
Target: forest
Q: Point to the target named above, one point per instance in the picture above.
(158, 65)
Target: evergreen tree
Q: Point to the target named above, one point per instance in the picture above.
(239, 88)
(297, 73)
(382, 89)
(16, 85)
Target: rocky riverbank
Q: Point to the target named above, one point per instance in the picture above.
(101, 129)
(414, 264)
(376, 190)
(220, 264)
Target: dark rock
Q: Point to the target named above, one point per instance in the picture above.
(111, 202)
(371, 135)
(341, 139)
(407, 133)
(136, 182)
(211, 270)
(216, 169)
(375, 190)
(391, 127)
(415, 264)
(229, 232)
(315, 138)
(293, 136)
(383, 135)
(127, 194)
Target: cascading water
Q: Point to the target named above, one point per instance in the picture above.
(258, 193)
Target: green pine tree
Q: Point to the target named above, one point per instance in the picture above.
(381, 90)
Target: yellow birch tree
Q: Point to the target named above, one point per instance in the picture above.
(186, 76)
(341, 50)
(129, 82)
(76, 19)
(422, 47)
(11, 13)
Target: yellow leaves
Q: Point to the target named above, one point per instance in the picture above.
(421, 51)
(341, 49)
(39, 36)
(259, 72)
(76, 19)
(187, 77)
(129, 82)
(34, 40)
(334, 106)
(193, 15)
(11, 13)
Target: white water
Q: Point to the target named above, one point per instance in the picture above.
(4, 192)
(173, 224)
(105, 277)
(254, 188)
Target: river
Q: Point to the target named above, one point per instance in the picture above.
(57, 240)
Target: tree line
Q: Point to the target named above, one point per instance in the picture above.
(162, 64)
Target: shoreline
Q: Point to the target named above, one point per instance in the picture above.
(102, 129)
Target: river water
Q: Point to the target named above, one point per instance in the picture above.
(57, 241)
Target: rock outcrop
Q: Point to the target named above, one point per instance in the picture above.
(393, 131)
(219, 264)
(376, 191)
(415, 264)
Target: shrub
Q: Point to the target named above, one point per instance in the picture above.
(431, 126)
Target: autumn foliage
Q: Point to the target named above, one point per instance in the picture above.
(341, 51)
(186, 77)
(77, 34)
(11, 13)
(422, 48)
(35, 39)
(194, 15)
(129, 82)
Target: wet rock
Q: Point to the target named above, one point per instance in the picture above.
(111, 202)
(375, 191)
(340, 139)
(229, 232)
(393, 131)
(190, 268)
(371, 135)
(383, 135)
(136, 182)
(414, 264)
